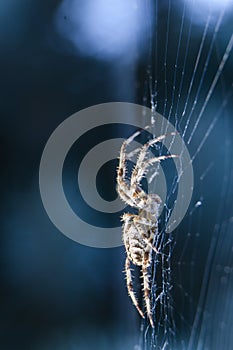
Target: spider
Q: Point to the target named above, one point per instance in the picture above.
(139, 230)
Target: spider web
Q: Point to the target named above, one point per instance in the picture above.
(189, 81)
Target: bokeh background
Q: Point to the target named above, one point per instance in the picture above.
(58, 57)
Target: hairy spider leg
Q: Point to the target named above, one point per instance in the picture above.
(130, 286)
(123, 191)
(137, 200)
(123, 188)
(122, 163)
(139, 196)
(121, 172)
(141, 157)
(160, 138)
(146, 284)
(139, 172)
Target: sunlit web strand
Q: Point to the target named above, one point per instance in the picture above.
(185, 62)
(176, 62)
(196, 65)
(214, 82)
(203, 175)
(216, 234)
(165, 58)
(175, 70)
(149, 23)
(211, 126)
(216, 30)
(152, 64)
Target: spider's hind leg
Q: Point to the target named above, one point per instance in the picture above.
(130, 286)
(146, 284)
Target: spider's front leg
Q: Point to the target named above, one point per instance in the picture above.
(122, 186)
(139, 169)
(121, 172)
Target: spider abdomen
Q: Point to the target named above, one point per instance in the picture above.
(135, 247)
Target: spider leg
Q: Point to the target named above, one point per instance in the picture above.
(137, 133)
(146, 284)
(121, 172)
(130, 286)
(123, 191)
(149, 143)
(136, 200)
(123, 188)
(140, 170)
(158, 159)
(142, 156)
(139, 198)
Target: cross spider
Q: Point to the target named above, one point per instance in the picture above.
(139, 230)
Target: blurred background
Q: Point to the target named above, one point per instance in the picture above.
(59, 57)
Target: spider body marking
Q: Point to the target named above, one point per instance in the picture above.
(139, 229)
